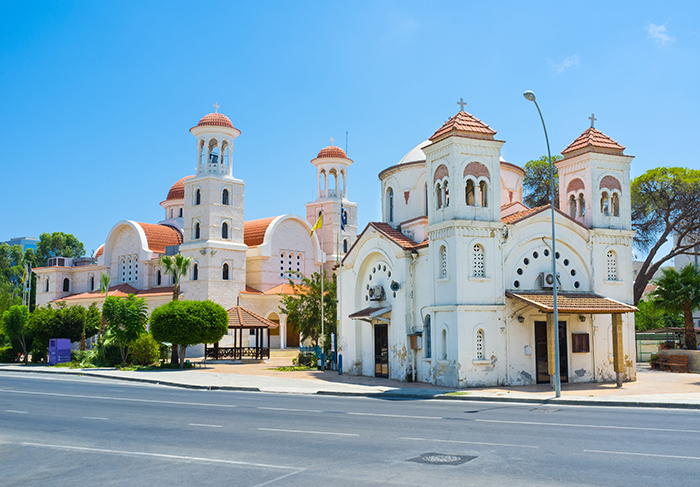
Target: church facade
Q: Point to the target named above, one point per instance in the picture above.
(454, 286)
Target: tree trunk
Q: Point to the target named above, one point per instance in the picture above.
(83, 346)
(690, 342)
(174, 354)
(183, 351)
(176, 292)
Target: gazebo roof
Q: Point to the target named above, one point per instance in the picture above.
(240, 317)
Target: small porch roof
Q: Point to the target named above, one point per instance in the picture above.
(240, 317)
(583, 303)
(369, 313)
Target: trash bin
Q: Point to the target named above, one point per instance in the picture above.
(59, 351)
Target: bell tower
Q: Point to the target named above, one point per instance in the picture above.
(213, 216)
(339, 214)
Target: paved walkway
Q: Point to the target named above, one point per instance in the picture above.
(652, 388)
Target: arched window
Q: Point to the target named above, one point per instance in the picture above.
(196, 231)
(479, 345)
(195, 272)
(66, 285)
(572, 206)
(483, 189)
(447, 194)
(345, 246)
(159, 277)
(478, 269)
(426, 335)
(611, 262)
(197, 197)
(443, 345)
(469, 193)
(180, 213)
(92, 283)
(224, 272)
(605, 204)
(224, 230)
(615, 205)
(581, 205)
(46, 286)
(224, 197)
(443, 262)
(390, 204)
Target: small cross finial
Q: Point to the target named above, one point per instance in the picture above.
(592, 119)
(332, 140)
(216, 108)
(461, 104)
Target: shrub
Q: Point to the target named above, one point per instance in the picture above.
(8, 355)
(307, 359)
(145, 350)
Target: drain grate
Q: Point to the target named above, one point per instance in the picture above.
(545, 410)
(442, 459)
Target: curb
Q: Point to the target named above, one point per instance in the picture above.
(391, 394)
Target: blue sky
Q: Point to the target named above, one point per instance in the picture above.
(98, 97)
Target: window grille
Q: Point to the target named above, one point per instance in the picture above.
(612, 266)
(480, 345)
(443, 262)
(478, 261)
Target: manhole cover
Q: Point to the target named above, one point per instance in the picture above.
(545, 410)
(442, 459)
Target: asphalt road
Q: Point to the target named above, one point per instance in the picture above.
(85, 431)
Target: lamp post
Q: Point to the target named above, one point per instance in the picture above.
(529, 95)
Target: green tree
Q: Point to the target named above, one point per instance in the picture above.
(665, 206)
(536, 183)
(14, 326)
(57, 244)
(41, 324)
(186, 323)
(679, 292)
(304, 307)
(63, 321)
(12, 275)
(650, 316)
(177, 266)
(127, 318)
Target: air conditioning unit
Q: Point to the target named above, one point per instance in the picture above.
(547, 280)
(376, 293)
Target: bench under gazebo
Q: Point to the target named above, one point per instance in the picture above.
(239, 319)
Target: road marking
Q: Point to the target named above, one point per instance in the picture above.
(207, 425)
(308, 432)
(642, 454)
(587, 426)
(13, 411)
(294, 410)
(124, 399)
(395, 416)
(469, 442)
(96, 417)
(161, 455)
(278, 478)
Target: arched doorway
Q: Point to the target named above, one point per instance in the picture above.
(292, 335)
(274, 332)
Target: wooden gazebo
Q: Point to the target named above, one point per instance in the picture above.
(239, 319)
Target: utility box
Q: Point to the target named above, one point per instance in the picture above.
(59, 351)
(416, 341)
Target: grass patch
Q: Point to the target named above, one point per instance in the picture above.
(74, 365)
(456, 393)
(293, 368)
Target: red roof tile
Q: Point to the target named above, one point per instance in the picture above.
(464, 124)
(100, 250)
(120, 291)
(332, 151)
(595, 140)
(250, 290)
(572, 302)
(177, 190)
(254, 231)
(522, 215)
(240, 317)
(215, 119)
(160, 236)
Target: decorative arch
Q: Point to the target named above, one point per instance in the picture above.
(575, 185)
(610, 182)
(441, 173)
(476, 170)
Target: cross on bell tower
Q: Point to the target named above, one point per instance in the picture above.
(216, 107)
(592, 119)
(461, 104)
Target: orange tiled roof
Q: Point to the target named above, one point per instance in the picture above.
(572, 302)
(594, 138)
(332, 151)
(100, 250)
(284, 288)
(177, 190)
(215, 119)
(250, 290)
(240, 317)
(464, 124)
(522, 215)
(160, 236)
(254, 231)
(392, 234)
(120, 291)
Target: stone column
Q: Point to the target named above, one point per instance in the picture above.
(618, 351)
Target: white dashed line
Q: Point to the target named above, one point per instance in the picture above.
(308, 432)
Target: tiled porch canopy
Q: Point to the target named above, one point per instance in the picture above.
(583, 303)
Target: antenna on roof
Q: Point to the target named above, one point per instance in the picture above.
(346, 142)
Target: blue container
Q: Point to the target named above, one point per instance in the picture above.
(59, 351)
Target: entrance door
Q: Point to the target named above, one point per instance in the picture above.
(381, 351)
(541, 352)
(292, 335)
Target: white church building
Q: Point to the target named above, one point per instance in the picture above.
(454, 286)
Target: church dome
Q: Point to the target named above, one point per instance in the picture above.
(416, 154)
(216, 120)
(332, 151)
(177, 190)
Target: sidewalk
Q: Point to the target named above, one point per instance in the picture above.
(652, 388)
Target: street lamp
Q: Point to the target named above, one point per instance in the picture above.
(529, 95)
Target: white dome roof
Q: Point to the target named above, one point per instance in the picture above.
(416, 154)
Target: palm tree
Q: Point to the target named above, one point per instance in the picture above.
(177, 266)
(679, 292)
(104, 288)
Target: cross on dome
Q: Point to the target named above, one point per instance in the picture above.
(216, 107)
(592, 119)
(332, 140)
(461, 104)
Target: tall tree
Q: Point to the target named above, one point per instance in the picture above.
(665, 206)
(127, 318)
(14, 326)
(679, 292)
(57, 244)
(177, 266)
(304, 307)
(536, 183)
(650, 316)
